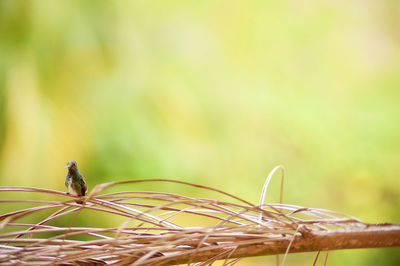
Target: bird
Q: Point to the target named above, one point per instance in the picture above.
(74, 181)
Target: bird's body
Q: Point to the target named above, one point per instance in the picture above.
(74, 181)
(75, 184)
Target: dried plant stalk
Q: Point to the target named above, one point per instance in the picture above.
(154, 234)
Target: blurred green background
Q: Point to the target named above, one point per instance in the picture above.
(211, 92)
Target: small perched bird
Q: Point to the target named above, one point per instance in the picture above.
(74, 181)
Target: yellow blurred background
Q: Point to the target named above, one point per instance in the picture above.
(211, 92)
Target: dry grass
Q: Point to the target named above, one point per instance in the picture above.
(153, 233)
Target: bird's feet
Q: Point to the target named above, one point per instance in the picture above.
(80, 200)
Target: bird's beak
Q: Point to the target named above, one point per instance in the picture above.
(66, 166)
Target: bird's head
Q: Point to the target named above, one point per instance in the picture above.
(71, 165)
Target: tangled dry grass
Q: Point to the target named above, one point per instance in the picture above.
(154, 230)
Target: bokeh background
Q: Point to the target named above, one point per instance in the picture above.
(211, 92)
